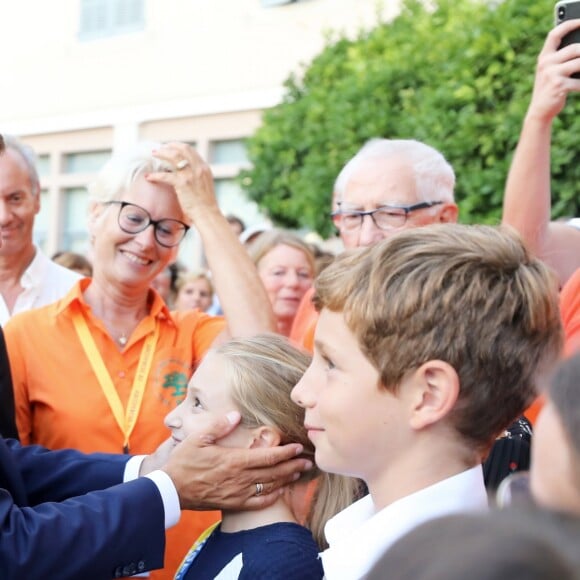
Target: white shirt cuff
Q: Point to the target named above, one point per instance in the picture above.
(132, 467)
(164, 484)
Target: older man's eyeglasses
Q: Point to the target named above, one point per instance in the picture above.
(386, 217)
(133, 219)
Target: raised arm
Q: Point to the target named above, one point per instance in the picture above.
(527, 200)
(242, 296)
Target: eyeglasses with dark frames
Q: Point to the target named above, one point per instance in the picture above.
(133, 219)
(386, 217)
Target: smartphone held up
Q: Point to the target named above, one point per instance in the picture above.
(568, 10)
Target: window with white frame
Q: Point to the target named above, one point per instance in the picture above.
(43, 165)
(85, 161)
(74, 235)
(231, 151)
(41, 221)
(232, 200)
(104, 18)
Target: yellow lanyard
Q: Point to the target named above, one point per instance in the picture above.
(194, 551)
(126, 420)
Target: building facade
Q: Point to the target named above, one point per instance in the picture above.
(86, 77)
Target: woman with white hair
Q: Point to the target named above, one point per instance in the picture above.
(99, 369)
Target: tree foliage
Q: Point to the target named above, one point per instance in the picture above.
(457, 76)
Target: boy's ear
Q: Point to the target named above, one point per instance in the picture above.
(436, 390)
(265, 436)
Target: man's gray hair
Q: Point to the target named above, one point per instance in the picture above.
(28, 156)
(434, 176)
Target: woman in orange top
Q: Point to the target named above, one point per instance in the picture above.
(100, 369)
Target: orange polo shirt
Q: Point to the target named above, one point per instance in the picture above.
(570, 312)
(60, 402)
(304, 323)
(570, 309)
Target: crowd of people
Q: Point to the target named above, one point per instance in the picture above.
(274, 416)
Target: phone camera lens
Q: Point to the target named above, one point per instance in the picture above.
(561, 12)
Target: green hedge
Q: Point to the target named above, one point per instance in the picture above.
(458, 77)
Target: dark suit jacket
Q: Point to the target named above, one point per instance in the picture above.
(53, 524)
(7, 419)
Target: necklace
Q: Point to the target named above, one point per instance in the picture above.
(122, 340)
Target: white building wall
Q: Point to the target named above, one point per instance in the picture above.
(199, 70)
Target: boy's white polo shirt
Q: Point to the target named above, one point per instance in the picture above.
(358, 536)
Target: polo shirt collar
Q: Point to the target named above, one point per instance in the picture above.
(75, 296)
(359, 535)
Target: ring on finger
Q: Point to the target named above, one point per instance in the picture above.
(259, 489)
(182, 164)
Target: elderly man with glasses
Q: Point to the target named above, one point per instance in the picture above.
(388, 186)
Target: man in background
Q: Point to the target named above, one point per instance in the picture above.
(28, 278)
(390, 185)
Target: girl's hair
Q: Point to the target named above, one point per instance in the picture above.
(262, 371)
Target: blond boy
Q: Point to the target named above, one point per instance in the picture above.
(428, 346)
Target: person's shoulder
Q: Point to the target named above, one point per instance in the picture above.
(26, 318)
(192, 319)
(291, 554)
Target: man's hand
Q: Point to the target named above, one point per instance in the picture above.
(208, 476)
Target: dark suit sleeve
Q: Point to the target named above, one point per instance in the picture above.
(53, 524)
(46, 475)
(7, 413)
(101, 535)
